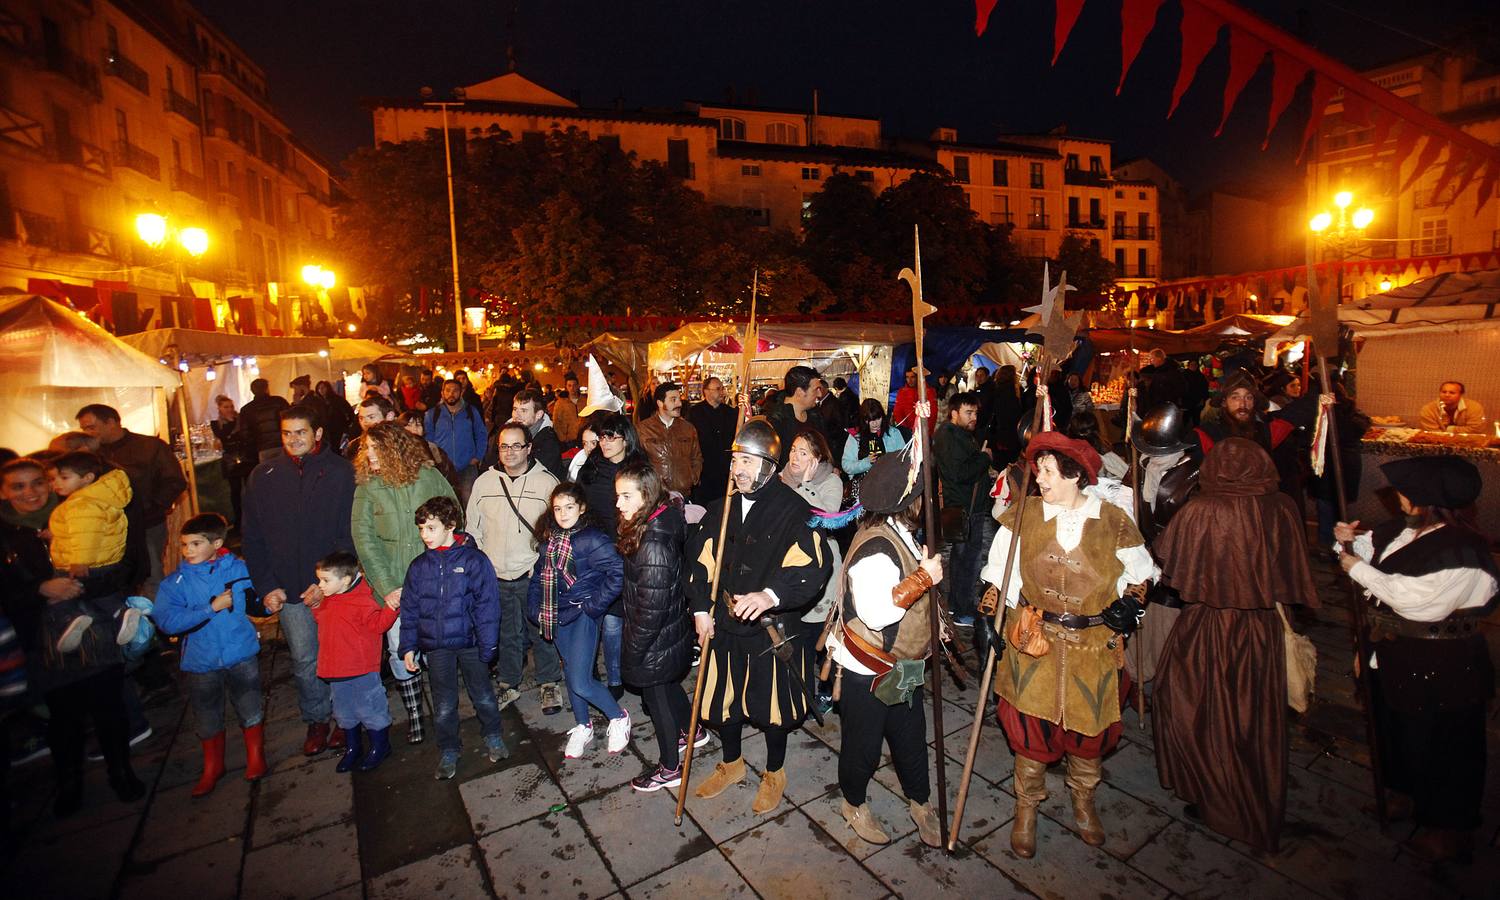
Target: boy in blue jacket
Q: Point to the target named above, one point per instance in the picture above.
(451, 614)
(204, 601)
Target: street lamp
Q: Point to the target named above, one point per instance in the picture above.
(319, 279)
(1342, 231)
(157, 232)
(458, 313)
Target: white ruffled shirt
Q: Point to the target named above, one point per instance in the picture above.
(1137, 562)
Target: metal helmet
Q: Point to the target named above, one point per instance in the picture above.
(1164, 432)
(758, 437)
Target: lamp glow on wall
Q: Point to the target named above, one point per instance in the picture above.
(475, 319)
(319, 277)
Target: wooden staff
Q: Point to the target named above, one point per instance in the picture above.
(1019, 502)
(747, 353)
(920, 310)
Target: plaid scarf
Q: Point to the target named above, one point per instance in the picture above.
(557, 568)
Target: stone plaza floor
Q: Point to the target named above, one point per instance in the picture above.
(535, 826)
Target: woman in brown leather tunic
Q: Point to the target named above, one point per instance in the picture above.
(1077, 556)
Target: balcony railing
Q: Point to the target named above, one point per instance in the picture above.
(1090, 224)
(37, 229)
(227, 198)
(1135, 232)
(129, 156)
(1135, 271)
(188, 183)
(1039, 222)
(19, 128)
(1085, 178)
(174, 102)
(123, 68)
(86, 156)
(1001, 218)
(73, 68)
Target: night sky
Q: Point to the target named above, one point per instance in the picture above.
(916, 64)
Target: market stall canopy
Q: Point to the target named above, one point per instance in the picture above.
(206, 345)
(1447, 303)
(1201, 339)
(690, 340)
(54, 361)
(355, 352)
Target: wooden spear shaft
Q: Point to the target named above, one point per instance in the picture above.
(747, 354)
(990, 658)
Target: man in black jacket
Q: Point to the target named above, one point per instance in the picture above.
(258, 418)
(715, 422)
(298, 506)
(546, 449)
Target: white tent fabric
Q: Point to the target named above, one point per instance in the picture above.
(53, 361)
(355, 352)
(1449, 303)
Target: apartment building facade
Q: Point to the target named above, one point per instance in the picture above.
(114, 108)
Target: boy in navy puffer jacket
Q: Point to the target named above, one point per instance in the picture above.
(451, 614)
(204, 601)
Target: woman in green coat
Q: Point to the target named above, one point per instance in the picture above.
(393, 476)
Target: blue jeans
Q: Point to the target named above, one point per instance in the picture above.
(392, 642)
(516, 635)
(301, 633)
(578, 641)
(614, 634)
(207, 690)
(361, 700)
(443, 668)
(969, 557)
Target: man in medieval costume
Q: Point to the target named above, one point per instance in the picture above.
(1168, 477)
(1234, 552)
(774, 567)
(1073, 589)
(883, 637)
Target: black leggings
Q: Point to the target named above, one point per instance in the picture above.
(669, 714)
(100, 697)
(729, 736)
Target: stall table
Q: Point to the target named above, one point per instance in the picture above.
(1383, 444)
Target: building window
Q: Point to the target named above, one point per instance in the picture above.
(1094, 244)
(1142, 269)
(1096, 165)
(782, 133)
(1119, 260)
(811, 173)
(1119, 195)
(806, 208)
(268, 202)
(999, 209)
(1434, 240)
(112, 39)
(1142, 195)
(731, 129)
(1038, 212)
(176, 155)
(1038, 180)
(961, 169)
(751, 171)
(1072, 162)
(864, 175)
(122, 127)
(252, 194)
(1143, 222)
(1000, 171)
(677, 158)
(1073, 212)
(1095, 216)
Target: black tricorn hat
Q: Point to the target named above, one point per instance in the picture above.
(1446, 481)
(892, 484)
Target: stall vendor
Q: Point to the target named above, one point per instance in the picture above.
(1454, 412)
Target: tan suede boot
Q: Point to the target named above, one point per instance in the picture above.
(1083, 779)
(772, 786)
(927, 823)
(1031, 790)
(723, 775)
(862, 821)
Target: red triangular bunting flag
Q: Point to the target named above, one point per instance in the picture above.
(1487, 186)
(1200, 31)
(1383, 122)
(1425, 159)
(1406, 141)
(1322, 89)
(1245, 55)
(1137, 18)
(1471, 169)
(1067, 17)
(1356, 109)
(982, 10)
(1286, 74)
(1450, 169)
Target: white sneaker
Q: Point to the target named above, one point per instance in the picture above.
(130, 623)
(579, 737)
(619, 733)
(72, 636)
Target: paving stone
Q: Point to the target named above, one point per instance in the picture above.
(301, 799)
(206, 873)
(1330, 807)
(635, 833)
(181, 822)
(550, 856)
(304, 866)
(1343, 771)
(1337, 867)
(789, 856)
(1065, 867)
(453, 874)
(504, 798)
(1132, 769)
(1188, 861)
(49, 868)
(812, 768)
(889, 810)
(100, 805)
(993, 761)
(913, 869)
(705, 875)
(728, 814)
(1128, 822)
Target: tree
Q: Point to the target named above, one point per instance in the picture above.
(1087, 269)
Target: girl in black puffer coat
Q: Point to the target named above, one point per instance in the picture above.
(656, 645)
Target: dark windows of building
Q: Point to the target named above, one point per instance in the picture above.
(961, 169)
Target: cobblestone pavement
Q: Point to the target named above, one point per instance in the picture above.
(533, 826)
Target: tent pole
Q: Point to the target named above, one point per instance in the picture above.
(187, 443)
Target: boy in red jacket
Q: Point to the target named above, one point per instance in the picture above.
(351, 649)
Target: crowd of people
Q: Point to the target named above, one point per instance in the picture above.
(426, 534)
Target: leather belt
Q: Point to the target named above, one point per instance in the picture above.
(871, 657)
(1385, 626)
(1069, 620)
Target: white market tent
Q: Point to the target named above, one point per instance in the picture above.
(1414, 337)
(53, 361)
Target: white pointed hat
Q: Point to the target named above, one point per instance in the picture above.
(601, 398)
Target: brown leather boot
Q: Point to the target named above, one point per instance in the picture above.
(772, 787)
(1030, 790)
(1083, 778)
(723, 775)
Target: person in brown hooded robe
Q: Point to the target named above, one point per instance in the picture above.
(1219, 710)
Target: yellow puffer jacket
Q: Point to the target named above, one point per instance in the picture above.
(88, 527)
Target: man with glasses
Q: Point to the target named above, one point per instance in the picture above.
(715, 422)
(504, 506)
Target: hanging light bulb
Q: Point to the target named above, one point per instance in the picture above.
(238, 362)
(210, 374)
(182, 366)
